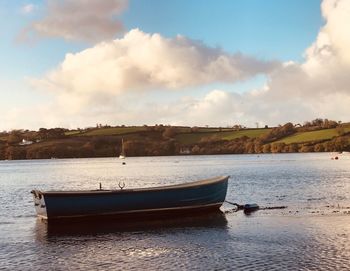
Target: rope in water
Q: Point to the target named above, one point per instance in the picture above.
(239, 207)
(253, 207)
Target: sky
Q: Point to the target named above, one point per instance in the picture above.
(75, 63)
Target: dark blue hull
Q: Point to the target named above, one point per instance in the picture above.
(197, 196)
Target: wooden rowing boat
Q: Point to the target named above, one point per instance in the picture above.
(204, 195)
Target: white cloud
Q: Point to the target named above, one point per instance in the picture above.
(318, 87)
(87, 20)
(139, 62)
(28, 9)
(106, 83)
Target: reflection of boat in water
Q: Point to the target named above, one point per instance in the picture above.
(122, 153)
(194, 197)
(108, 226)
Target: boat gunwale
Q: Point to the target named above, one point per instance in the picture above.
(194, 184)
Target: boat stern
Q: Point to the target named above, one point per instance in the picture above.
(39, 203)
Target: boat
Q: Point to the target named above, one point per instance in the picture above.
(122, 154)
(198, 196)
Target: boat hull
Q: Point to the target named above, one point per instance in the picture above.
(196, 197)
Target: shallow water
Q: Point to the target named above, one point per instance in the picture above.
(312, 233)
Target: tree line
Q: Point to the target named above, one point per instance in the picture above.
(163, 140)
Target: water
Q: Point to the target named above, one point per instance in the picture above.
(313, 233)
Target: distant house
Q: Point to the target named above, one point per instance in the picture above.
(25, 142)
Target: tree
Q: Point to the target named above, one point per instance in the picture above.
(277, 147)
(266, 148)
(306, 148)
(319, 148)
(278, 132)
(194, 129)
(341, 143)
(195, 149)
(14, 137)
(249, 147)
(293, 147)
(14, 153)
(169, 132)
(317, 122)
(340, 130)
(258, 146)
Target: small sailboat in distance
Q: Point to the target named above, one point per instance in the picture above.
(122, 153)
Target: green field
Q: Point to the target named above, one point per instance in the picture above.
(72, 132)
(252, 133)
(201, 131)
(113, 131)
(309, 136)
(191, 138)
(209, 129)
(185, 136)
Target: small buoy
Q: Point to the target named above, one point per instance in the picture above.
(336, 158)
(250, 207)
(123, 163)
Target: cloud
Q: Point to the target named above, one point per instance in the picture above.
(141, 62)
(327, 62)
(317, 87)
(108, 83)
(28, 9)
(75, 20)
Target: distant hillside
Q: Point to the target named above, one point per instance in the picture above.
(301, 137)
(318, 135)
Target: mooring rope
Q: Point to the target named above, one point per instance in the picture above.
(253, 207)
(239, 207)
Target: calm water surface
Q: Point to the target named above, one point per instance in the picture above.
(313, 233)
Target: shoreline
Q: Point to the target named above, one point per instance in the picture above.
(334, 154)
